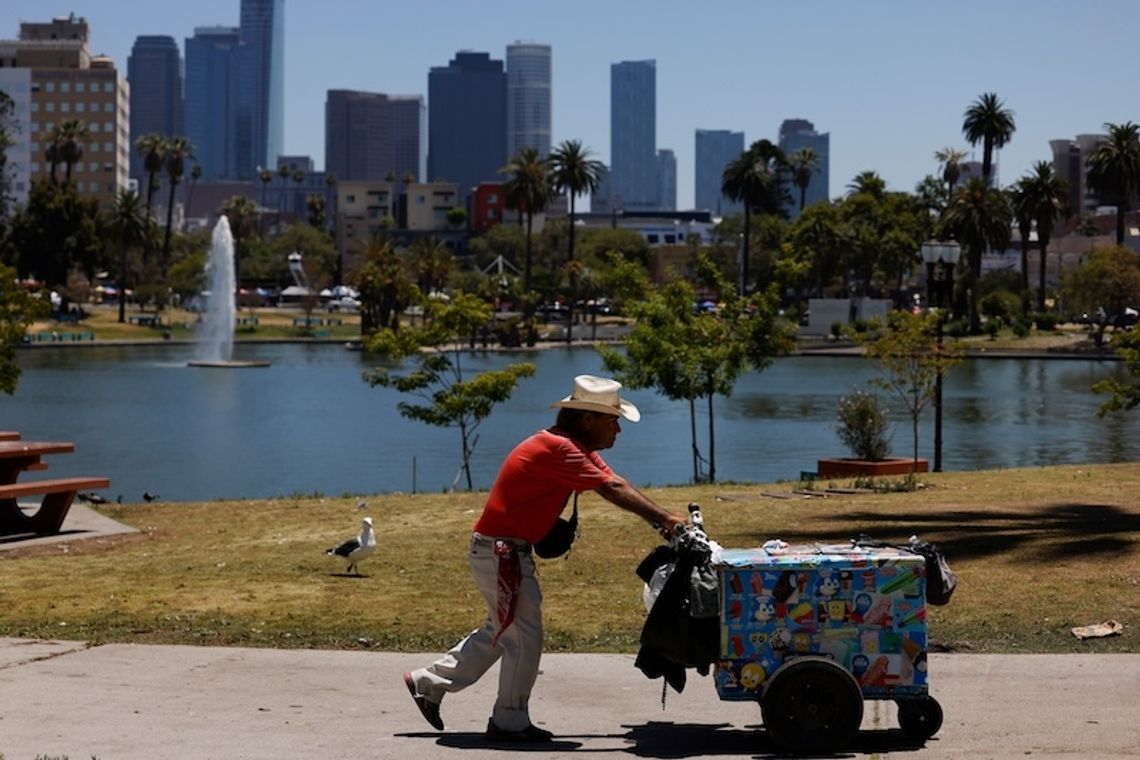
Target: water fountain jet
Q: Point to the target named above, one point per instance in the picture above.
(216, 333)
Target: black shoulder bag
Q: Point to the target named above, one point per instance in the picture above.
(561, 537)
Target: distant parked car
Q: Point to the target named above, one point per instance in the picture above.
(345, 303)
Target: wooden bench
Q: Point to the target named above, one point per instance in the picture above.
(57, 495)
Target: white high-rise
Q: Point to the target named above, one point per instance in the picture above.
(528, 97)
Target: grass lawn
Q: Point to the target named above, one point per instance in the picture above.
(1037, 551)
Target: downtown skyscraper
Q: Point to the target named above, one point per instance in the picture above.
(154, 70)
(370, 136)
(467, 129)
(528, 98)
(216, 86)
(800, 133)
(715, 150)
(263, 34)
(633, 135)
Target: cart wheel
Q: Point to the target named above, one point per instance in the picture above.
(920, 718)
(812, 705)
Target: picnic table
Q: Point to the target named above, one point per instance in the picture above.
(148, 320)
(17, 456)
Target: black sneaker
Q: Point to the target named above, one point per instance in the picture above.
(532, 734)
(429, 709)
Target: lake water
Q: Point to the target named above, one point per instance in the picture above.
(309, 424)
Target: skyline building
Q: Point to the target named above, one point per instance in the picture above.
(154, 72)
(215, 85)
(633, 134)
(467, 126)
(800, 133)
(666, 180)
(714, 150)
(263, 114)
(528, 98)
(68, 83)
(1070, 163)
(372, 136)
(17, 83)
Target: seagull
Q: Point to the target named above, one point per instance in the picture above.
(356, 549)
(90, 497)
(150, 496)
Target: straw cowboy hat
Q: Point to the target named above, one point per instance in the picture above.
(598, 394)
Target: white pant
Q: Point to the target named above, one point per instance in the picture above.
(519, 646)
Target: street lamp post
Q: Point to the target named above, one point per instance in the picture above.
(940, 258)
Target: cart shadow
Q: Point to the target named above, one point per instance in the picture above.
(667, 740)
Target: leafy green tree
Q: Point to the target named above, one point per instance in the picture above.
(686, 355)
(18, 309)
(867, 183)
(9, 127)
(989, 122)
(1114, 169)
(1107, 282)
(67, 139)
(56, 230)
(449, 399)
(1124, 395)
(1047, 196)
(978, 217)
(629, 244)
(573, 171)
(818, 239)
(506, 240)
(883, 232)
(912, 359)
(432, 263)
(385, 286)
(318, 261)
(527, 190)
(1024, 213)
(130, 227)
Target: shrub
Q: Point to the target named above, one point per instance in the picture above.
(1021, 327)
(1000, 304)
(863, 425)
(1046, 321)
(992, 327)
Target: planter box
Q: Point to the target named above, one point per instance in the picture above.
(852, 468)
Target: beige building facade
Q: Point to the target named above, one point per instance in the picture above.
(67, 83)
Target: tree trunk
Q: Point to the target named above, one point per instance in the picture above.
(570, 258)
(693, 438)
(526, 267)
(712, 444)
(1042, 246)
(123, 285)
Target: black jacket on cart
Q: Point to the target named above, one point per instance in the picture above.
(682, 629)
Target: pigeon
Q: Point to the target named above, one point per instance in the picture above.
(356, 549)
(148, 496)
(90, 497)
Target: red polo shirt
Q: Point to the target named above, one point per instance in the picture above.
(534, 483)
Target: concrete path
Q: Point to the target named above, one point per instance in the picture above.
(128, 702)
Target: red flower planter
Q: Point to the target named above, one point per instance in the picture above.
(853, 468)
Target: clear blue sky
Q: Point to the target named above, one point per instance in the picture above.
(888, 80)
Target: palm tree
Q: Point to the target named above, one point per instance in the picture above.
(867, 182)
(153, 149)
(266, 177)
(751, 179)
(130, 226)
(72, 136)
(989, 122)
(178, 149)
(978, 217)
(574, 172)
(1046, 196)
(1023, 212)
(950, 159)
(803, 164)
(527, 190)
(241, 212)
(195, 175)
(433, 264)
(1114, 169)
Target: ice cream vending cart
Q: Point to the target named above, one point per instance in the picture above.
(811, 630)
